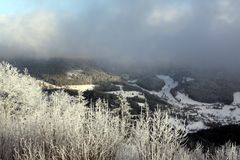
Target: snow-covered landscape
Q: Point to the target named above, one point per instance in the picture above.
(195, 115)
(188, 113)
(201, 113)
(127, 94)
(119, 80)
(82, 88)
(236, 97)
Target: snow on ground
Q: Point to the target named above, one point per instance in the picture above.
(200, 114)
(204, 112)
(127, 94)
(196, 126)
(169, 84)
(236, 97)
(185, 99)
(141, 104)
(176, 123)
(132, 81)
(165, 93)
(47, 85)
(225, 113)
(81, 88)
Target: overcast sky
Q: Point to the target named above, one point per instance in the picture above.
(182, 31)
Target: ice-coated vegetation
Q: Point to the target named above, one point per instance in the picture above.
(35, 126)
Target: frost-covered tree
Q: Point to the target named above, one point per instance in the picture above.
(101, 105)
(124, 110)
(34, 126)
(19, 92)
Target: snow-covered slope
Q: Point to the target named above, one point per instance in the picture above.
(200, 114)
(81, 88)
(236, 97)
(47, 85)
(196, 115)
(185, 99)
(127, 94)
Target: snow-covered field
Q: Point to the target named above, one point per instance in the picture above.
(184, 99)
(196, 115)
(81, 88)
(132, 81)
(236, 97)
(196, 126)
(127, 94)
(47, 85)
(166, 90)
(201, 114)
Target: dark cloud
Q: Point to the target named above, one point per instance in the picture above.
(189, 32)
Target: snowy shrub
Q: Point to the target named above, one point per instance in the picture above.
(34, 126)
(19, 93)
(228, 152)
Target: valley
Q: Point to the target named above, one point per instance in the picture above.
(195, 99)
(185, 111)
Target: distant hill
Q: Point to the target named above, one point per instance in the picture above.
(61, 71)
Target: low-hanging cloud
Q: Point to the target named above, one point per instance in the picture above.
(194, 32)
